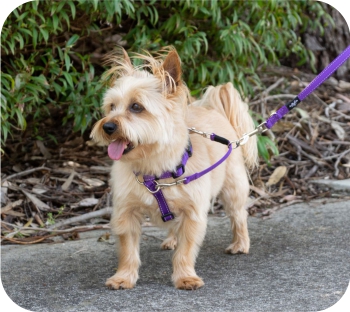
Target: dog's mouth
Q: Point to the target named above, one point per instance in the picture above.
(118, 148)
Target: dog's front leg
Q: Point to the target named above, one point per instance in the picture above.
(190, 236)
(127, 227)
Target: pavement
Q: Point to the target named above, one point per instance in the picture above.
(299, 261)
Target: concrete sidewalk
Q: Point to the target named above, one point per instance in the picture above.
(299, 261)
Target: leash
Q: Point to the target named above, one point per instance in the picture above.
(155, 188)
(324, 75)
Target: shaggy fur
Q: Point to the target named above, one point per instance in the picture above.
(159, 135)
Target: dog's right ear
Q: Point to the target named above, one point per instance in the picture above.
(172, 65)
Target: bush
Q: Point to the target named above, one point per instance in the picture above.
(51, 50)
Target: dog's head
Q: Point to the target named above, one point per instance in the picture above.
(143, 108)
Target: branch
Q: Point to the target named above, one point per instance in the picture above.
(19, 174)
(273, 97)
(84, 217)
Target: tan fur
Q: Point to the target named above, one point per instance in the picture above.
(160, 136)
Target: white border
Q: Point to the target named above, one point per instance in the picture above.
(6, 7)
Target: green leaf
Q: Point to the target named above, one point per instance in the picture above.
(64, 15)
(68, 79)
(55, 22)
(72, 40)
(35, 38)
(44, 33)
(67, 61)
(21, 41)
(21, 120)
(72, 8)
(18, 81)
(95, 4)
(117, 7)
(60, 53)
(53, 8)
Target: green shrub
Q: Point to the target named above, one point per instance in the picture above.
(47, 48)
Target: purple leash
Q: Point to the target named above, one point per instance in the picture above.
(324, 75)
(215, 138)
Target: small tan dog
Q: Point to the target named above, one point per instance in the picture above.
(147, 116)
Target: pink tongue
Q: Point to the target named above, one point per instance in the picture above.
(116, 149)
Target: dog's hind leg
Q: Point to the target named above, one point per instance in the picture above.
(234, 195)
(170, 242)
(190, 235)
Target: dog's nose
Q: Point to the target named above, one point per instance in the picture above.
(109, 127)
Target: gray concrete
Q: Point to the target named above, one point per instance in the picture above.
(337, 185)
(299, 261)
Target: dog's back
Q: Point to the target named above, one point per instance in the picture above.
(226, 100)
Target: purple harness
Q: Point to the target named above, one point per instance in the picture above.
(154, 187)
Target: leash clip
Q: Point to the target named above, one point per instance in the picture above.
(163, 185)
(244, 139)
(258, 130)
(160, 186)
(202, 133)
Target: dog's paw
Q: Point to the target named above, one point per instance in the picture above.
(115, 282)
(169, 243)
(189, 283)
(237, 248)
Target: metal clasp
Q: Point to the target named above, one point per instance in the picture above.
(177, 182)
(258, 130)
(160, 186)
(202, 133)
(244, 139)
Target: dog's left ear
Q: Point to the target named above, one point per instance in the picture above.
(172, 65)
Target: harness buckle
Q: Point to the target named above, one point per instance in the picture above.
(170, 214)
(175, 175)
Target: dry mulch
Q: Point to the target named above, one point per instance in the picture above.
(51, 189)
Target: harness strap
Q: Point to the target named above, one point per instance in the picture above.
(154, 187)
(150, 182)
(167, 215)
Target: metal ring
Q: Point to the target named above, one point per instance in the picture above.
(138, 181)
(236, 142)
(158, 187)
(243, 140)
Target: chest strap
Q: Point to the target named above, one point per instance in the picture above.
(150, 181)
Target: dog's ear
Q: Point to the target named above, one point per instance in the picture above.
(127, 58)
(172, 65)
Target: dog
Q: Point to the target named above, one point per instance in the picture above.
(147, 116)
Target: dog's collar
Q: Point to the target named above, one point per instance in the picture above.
(150, 181)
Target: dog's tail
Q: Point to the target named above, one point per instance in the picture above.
(226, 100)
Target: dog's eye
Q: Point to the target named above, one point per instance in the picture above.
(136, 108)
(112, 107)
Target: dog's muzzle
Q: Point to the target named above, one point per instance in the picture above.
(109, 127)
